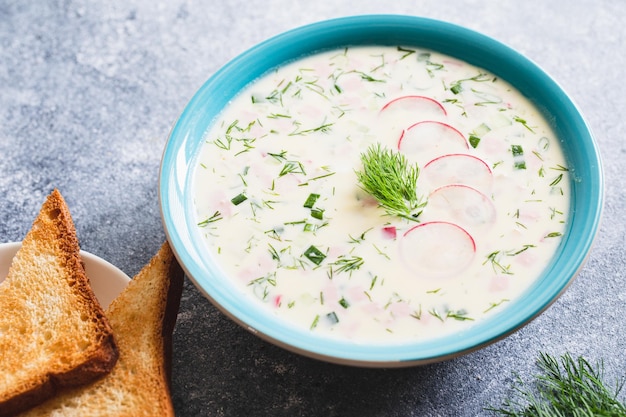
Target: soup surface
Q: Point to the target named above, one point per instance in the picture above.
(306, 193)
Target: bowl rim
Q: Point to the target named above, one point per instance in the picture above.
(107, 280)
(473, 47)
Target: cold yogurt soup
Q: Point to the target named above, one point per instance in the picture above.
(381, 193)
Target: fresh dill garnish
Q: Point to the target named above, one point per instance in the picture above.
(345, 264)
(494, 259)
(523, 249)
(554, 212)
(273, 252)
(359, 239)
(373, 282)
(559, 167)
(460, 315)
(261, 286)
(392, 181)
(292, 167)
(431, 67)
(523, 123)
(316, 320)
(493, 305)
(433, 312)
(324, 128)
(565, 387)
(417, 314)
(215, 217)
(457, 86)
(280, 157)
(556, 180)
(319, 177)
(406, 52)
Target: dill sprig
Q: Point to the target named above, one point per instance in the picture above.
(565, 387)
(392, 181)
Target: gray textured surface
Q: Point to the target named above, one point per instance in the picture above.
(89, 91)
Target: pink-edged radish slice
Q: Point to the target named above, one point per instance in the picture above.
(462, 205)
(418, 106)
(437, 249)
(431, 138)
(457, 168)
(402, 112)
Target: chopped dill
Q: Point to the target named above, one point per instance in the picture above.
(213, 218)
(345, 264)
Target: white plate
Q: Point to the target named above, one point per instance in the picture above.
(107, 281)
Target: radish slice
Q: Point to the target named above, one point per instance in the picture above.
(417, 105)
(437, 249)
(462, 205)
(431, 138)
(402, 112)
(458, 169)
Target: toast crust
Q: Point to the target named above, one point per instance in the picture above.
(53, 332)
(143, 318)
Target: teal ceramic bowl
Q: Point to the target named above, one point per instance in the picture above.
(181, 151)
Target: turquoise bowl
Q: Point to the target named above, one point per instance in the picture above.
(186, 138)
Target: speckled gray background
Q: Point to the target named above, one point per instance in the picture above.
(90, 89)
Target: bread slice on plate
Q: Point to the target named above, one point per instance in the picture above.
(53, 331)
(143, 318)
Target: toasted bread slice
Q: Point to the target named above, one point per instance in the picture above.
(53, 331)
(143, 318)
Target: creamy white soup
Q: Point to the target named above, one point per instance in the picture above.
(381, 193)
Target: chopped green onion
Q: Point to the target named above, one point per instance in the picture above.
(311, 199)
(317, 213)
(517, 150)
(518, 157)
(481, 129)
(456, 88)
(344, 303)
(314, 255)
(474, 141)
(332, 317)
(238, 199)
